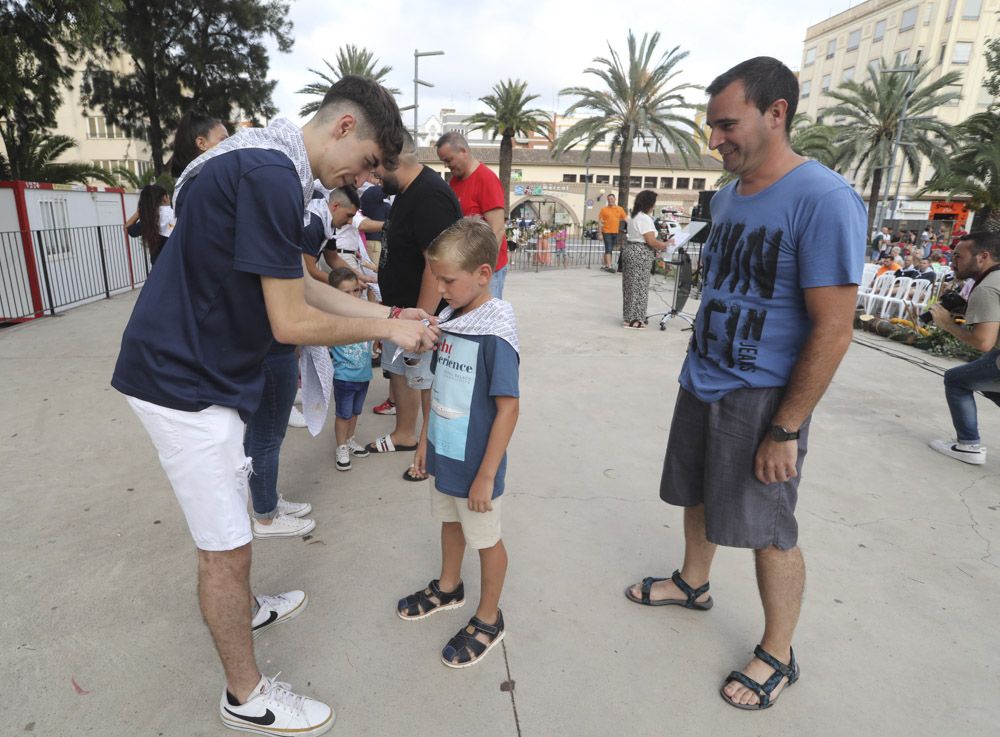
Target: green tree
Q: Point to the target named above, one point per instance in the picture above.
(178, 55)
(866, 117)
(42, 39)
(130, 179)
(973, 168)
(351, 59)
(992, 81)
(509, 116)
(640, 100)
(35, 161)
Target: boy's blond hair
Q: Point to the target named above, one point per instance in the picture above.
(468, 244)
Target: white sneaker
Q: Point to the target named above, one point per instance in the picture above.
(293, 509)
(357, 450)
(973, 453)
(272, 708)
(296, 418)
(343, 458)
(276, 609)
(282, 526)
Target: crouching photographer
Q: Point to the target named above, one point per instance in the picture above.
(977, 256)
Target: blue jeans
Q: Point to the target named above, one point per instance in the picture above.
(496, 282)
(960, 385)
(266, 430)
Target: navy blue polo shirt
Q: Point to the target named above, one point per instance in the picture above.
(199, 329)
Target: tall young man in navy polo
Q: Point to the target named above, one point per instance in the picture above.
(229, 282)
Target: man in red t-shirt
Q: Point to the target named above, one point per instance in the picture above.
(480, 193)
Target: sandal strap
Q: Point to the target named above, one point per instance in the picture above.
(465, 642)
(780, 669)
(446, 597)
(763, 692)
(686, 589)
(647, 585)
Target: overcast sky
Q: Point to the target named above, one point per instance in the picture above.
(546, 43)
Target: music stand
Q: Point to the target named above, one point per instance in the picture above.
(682, 290)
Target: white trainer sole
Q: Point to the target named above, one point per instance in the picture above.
(284, 535)
(314, 732)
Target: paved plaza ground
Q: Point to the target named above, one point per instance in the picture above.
(101, 633)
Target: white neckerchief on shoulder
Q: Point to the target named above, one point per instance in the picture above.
(281, 135)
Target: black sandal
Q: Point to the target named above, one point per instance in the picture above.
(763, 690)
(690, 593)
(420, 604)
(467, 648)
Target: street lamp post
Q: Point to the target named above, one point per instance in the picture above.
(417, 82)
(911, 71)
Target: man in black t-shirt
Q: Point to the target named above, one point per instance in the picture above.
(424, 207)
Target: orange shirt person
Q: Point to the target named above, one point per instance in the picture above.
(611, 217)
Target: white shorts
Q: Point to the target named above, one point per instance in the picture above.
(481, 529)
(202, 455)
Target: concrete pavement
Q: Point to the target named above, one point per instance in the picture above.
(898, 634)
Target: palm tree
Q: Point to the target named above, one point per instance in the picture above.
(640, 100)
(866, 119)
(33, 158)
(138, 181)
(351, 59)
(509, 116)
(973, 169)
(809, 139)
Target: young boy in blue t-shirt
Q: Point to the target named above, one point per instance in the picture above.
(352, 372)
(474, 407)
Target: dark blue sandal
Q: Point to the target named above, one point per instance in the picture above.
(763, 690)
(420, 604)
(690, 593)
(464, 649)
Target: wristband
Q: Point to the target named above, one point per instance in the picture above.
(394, 312)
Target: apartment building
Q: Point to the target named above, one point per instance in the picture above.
(944, 35)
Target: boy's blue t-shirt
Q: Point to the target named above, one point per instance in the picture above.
(352, 362)
(469, 371)
(806, 230)
(199, 329)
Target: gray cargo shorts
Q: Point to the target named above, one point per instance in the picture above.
(710, 461)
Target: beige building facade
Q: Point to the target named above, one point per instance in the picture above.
(943, 35)
(569, 190)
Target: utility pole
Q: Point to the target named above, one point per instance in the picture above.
(416, 85)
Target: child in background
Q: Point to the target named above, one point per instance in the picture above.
(561, 248)
(352, 370)
(474, 407)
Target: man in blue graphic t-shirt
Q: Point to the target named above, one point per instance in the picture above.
(780, 268)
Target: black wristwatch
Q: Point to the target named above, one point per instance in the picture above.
(780, 434)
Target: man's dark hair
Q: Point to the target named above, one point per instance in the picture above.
(765, 81)
(376, 110)
(643, 202)
(193, 125)
(984, 240)
(345, 194)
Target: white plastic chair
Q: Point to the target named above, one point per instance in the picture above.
(898, 289)
(867, 279)
(880, 288)
(923, 291)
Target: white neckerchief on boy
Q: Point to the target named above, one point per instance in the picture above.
(495, 317)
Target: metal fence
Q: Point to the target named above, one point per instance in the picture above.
(571, 247)
(65, 267)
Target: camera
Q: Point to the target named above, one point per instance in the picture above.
(951, 301)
